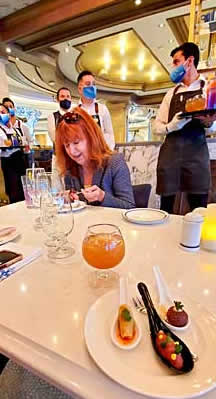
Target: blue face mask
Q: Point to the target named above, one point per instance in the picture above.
(90, 92)
(11, 111)
(177, 74)
(4, 118)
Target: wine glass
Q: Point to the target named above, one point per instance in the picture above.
(103, 248)
(57, 226)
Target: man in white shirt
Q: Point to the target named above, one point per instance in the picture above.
(183, 163)
(65, 104)
(88, 91)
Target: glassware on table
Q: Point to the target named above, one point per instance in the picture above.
(31, 179)
(103, 248)
(27, 190)
(196, 103)
(57, 226)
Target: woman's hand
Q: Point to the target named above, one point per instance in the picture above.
(72, 194)
(93, 193)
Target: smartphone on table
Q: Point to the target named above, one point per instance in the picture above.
(8, 258)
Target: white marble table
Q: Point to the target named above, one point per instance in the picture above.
(43, 306)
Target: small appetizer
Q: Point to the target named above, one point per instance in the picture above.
(176, 315)
(126, 328)
(169, 349)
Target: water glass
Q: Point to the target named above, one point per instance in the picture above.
(57, 227)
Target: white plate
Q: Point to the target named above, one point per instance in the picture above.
(145, 216)
(66, 207)
(8, 237)
(140, 369)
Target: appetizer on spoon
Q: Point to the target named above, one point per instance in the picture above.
(125, 331)
(172, 312)
(172, 350)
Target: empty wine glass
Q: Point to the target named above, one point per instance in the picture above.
(57, 226)
(103, 248)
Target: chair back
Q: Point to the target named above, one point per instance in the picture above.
(141, 195)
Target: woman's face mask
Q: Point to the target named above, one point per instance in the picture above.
(4, 118)
(90, 92)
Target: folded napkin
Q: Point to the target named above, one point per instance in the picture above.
(29, 254)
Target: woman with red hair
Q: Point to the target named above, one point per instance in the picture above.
(88, 164)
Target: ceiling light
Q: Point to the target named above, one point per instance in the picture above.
(17, 58)
(137, 2)
(141, 62)
(122, 46)
(170, 40)
(33, 79)
(161, 25)
(8, 49)
(123, 72)
(51, 83)
(66, 49)
(107, 60)
(153, 73)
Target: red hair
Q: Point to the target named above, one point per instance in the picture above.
(85, 126)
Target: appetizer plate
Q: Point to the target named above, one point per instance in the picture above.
(140, 369)
(8, 236)
(145, 216)
(75, 208)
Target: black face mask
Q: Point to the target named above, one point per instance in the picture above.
(65, 104)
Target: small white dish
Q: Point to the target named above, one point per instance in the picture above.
(123, 294)
(165, 299)
(76, 206)
(146, 216)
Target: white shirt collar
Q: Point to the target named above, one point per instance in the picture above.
(195, 84)
(87, 105)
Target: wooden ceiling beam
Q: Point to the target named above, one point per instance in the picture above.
(46, 13)
(48, 22)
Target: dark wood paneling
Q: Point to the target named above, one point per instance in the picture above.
(49, 22)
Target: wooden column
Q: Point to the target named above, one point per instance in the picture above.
(118, 113)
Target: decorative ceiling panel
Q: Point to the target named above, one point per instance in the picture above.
(8, 7)
(122, 60)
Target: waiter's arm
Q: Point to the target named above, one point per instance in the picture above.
(161, 120)
(108, 128)
(51, 127)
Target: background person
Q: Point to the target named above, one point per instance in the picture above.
(183, 163)
(88, 92)
(16, 122)
(64, 100)
(88, 164)
(12, 161)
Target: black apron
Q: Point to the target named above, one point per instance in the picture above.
(96, 116)
(13, 167)
(183, 162)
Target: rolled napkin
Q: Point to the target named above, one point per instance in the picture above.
(29, 255)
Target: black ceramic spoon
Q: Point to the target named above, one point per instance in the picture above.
(156, 325)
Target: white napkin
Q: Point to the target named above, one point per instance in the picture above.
(29, 254)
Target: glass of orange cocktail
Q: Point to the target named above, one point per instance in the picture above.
(103, 248)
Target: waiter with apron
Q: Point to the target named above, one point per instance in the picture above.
(183, 163)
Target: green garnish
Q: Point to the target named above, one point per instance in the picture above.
(178, 348)
(126, 315)
(166, 341)
(178, 305)
(163, 344)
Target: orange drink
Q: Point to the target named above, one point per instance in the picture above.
(104, 250)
